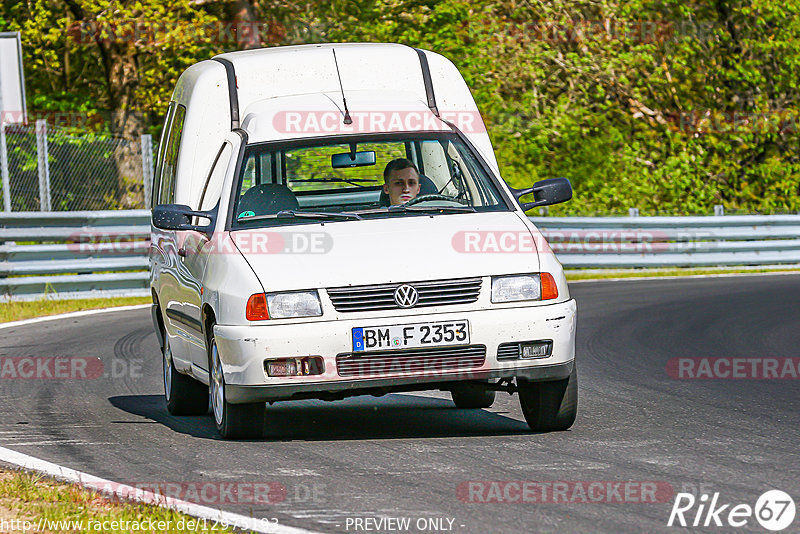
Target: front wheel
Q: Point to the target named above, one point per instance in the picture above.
(549, 406)
(184, 395)
(234, 421)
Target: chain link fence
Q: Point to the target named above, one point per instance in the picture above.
(51, 168)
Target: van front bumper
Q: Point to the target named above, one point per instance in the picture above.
(243, 350)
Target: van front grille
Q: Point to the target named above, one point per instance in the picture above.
(381, 297)
(508, 351)
(426, 361)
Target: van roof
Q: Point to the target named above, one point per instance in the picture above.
(304, 69)
(219, 94)
(322, 114)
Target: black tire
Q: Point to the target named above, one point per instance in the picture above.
(233, 421)
(183, 395)
(549, 406)
(470, 396)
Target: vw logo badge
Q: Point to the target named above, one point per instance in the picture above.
(406, 296)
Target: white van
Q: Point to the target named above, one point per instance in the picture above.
(330, 220)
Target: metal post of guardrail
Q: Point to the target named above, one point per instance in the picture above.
(719, 210)
(44, 165)
(4, 169)
(633, 212)
(147, 167)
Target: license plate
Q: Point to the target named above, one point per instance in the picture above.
(411, 335)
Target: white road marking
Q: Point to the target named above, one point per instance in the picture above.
(71, 315)
(139, 495)
(296, 472)
(62, 442)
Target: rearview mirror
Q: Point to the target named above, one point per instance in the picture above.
(545, 193)
(179, 217)
(357, 159)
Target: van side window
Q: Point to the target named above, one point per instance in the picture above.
(262, 169)
(434, 161)
(160, 156)
(170, 161)
(213, 186)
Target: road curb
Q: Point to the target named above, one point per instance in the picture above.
(70, 315)
(130, 493)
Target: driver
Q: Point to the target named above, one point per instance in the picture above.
(400, 181)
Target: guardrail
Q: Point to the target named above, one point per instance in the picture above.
(74, 254)
(104, 253)
(625, 242)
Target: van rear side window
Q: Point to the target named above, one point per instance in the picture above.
(169, 165)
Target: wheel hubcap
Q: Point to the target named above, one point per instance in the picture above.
(217, 384)
(167, 370)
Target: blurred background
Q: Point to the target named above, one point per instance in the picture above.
(670, 107)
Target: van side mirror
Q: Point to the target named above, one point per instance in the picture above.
(545, 193)
(179, 217)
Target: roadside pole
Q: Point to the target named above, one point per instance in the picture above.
(44, 165)
(4, 169)
(147, 167)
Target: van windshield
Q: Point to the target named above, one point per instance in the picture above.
(396, 175)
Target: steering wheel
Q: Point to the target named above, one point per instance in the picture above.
(433, 196)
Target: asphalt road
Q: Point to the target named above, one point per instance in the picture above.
(405, 456)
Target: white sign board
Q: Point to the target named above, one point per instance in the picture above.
(12, 80)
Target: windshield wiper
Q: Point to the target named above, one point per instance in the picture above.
(422, 209)
(292, 214)
(341, 216)
(354, 182)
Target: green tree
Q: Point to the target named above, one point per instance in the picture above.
(641, 103)
(669, 106)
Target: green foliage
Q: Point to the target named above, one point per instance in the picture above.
(668, 106)
(613, 96)
(69, 62)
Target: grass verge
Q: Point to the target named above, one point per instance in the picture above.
(646, 273)
(15, 311)
(52, 506)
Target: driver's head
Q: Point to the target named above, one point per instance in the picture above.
(400, 181)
